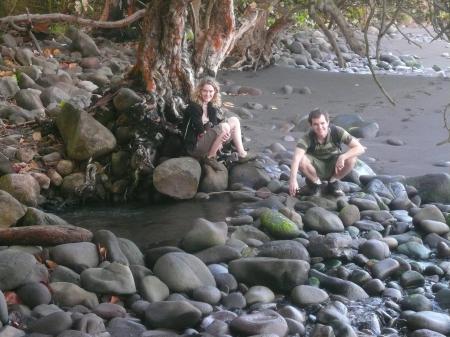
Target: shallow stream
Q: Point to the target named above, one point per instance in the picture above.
(150, 225)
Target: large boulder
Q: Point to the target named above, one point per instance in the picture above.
(77, 256)
(5, 165)
(125, 99)
(323, 221)
(178, 177)
(67, 294)
(250, 174)
(183, 272)
(115, 278)
(82, 42)
(345, 288)
(29, 99)
(23, 187)
(8, 87)
(263, 323)
(35, 216)
(83, 136)
(332, 245)
(277, 274)
(284, 249)
(432, 187)
(176, 315)
(213, 181)
(204, 234)
(278, 225)
(18, 268)
(439, 322)
(10, 210)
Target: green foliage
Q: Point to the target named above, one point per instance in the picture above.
(58, 28)
(303, 19)
(17, 76)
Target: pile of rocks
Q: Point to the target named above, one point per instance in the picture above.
(310, 49)
(354, 265)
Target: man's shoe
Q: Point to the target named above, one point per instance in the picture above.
(310, 189)
(212, 162)
(335, 188)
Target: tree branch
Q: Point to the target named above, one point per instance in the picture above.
(366, 40)
(406, 37)
(58, 17)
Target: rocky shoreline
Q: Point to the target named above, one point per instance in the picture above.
(285, 266)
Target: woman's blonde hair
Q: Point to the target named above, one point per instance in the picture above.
(197, 97)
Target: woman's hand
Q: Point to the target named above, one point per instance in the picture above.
(226, 136)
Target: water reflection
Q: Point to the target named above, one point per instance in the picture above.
(153, 225)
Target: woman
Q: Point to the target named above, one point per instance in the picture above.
(204, 133)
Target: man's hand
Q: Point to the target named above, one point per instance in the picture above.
(340, 162)
(293, 187)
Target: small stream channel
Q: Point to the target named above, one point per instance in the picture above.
(150, 225)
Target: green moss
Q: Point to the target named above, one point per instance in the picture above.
(278, 225)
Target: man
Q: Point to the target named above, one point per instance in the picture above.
(319, 157)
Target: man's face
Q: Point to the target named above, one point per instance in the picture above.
(320, 126)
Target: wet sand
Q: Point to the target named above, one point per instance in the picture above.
(416, 119)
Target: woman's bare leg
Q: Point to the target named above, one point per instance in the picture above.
(218, 142)
(236, 136)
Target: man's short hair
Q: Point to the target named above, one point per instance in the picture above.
(316, 113)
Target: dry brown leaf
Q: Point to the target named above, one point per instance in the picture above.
(5, 73)
(12, 298)
(50, 264)
(37, 136)
(8, 63)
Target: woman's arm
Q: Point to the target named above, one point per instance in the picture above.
(196, 118)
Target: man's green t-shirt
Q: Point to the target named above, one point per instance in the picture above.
(328, 149)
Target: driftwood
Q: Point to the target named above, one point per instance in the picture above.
(43, 235)
(58, 17)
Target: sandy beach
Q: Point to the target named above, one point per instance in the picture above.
(416, 119)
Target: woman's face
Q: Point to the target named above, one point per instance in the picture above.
(207, 93)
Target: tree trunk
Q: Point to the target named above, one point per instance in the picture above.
(254, 48)
(160, 61)
(215, 33)
(43, 235)
(329, 7)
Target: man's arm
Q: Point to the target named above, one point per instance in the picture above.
(293, 184)
(355, 150)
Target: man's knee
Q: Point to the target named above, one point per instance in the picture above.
(351, 162)
(305, 164)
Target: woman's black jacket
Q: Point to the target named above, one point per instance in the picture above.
(193, 125)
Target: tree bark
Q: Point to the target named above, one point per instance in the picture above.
(330, 37)
(160, 61)
(255, 45)
(43, 235)
(329, 7)
(215, 33)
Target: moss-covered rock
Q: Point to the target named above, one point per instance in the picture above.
(278, 225)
